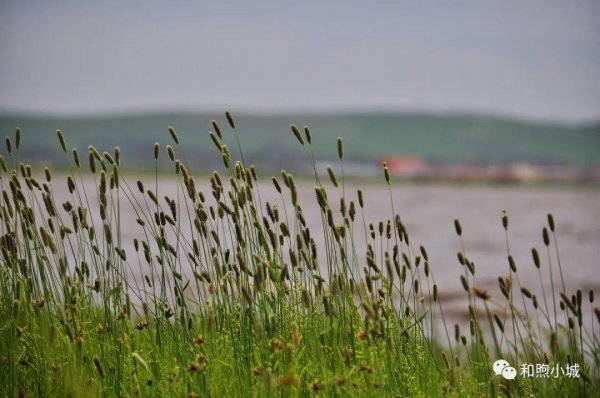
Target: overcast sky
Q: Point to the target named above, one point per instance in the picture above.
(527, 58)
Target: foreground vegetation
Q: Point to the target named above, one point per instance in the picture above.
(226, 295)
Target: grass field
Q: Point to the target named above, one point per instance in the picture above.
(224, 295)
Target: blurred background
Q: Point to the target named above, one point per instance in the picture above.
(461, 91)
(499, 90)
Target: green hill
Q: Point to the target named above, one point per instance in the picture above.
(266, 139)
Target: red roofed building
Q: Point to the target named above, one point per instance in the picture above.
(407, 166)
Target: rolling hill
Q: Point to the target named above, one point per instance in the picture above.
(268, 142)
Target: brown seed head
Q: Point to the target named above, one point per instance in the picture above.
(482, 293)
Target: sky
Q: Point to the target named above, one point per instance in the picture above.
(529, 59)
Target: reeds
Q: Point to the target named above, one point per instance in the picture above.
(221, 294)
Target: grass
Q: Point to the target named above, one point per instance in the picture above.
(227, 295)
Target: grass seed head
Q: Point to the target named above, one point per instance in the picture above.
(297, 134)
(226, 156)
(332, 176)
(174, 135)
(551, 221)
(536, 257)
(482, 293)
(308, 135)
(18, 137)
(76, 157)
(215, 140)
(139, 360)
(92, 162)
(457, 227)
(171, 153)
(321, 197)
(109, 158)
(386, 173)
(61, 139)
(511, 263)
(217, 129)
(340, 148)
(99, 367)
(545, 236)
(230, 119)
(424, 253)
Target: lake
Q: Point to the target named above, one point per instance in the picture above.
(428, 211)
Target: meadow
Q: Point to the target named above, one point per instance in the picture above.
(226, 294)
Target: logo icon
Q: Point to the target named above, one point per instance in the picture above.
(503, 368)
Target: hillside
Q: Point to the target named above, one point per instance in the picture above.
(444, 138)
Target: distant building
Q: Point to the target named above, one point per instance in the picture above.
(524, 172)
(406, 166)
